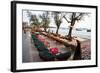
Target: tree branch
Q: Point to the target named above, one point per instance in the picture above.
(79, 15)
(66, 19)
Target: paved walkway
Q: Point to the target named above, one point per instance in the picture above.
(29, 52)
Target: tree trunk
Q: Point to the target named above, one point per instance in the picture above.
(70, 30)
(45, 29)
(57, 30)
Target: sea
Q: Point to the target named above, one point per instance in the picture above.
(78, 33)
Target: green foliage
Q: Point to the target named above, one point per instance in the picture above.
(58, 20)
(34, 20)
(45, 20)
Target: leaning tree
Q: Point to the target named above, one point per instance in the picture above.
(72, 18)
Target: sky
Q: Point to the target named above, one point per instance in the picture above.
(84, 23)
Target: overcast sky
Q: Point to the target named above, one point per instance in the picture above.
(84, 23)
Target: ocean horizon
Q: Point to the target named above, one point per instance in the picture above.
(78, 33)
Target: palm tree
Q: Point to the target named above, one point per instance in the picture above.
(73, 17)
(45, 20)
(58, 20)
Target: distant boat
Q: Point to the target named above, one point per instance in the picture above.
(88, 30)
(78, 29)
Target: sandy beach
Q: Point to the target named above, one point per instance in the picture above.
(86, 49)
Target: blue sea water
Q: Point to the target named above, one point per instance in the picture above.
(81, 33)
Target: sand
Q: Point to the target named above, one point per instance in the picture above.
(86, 49)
